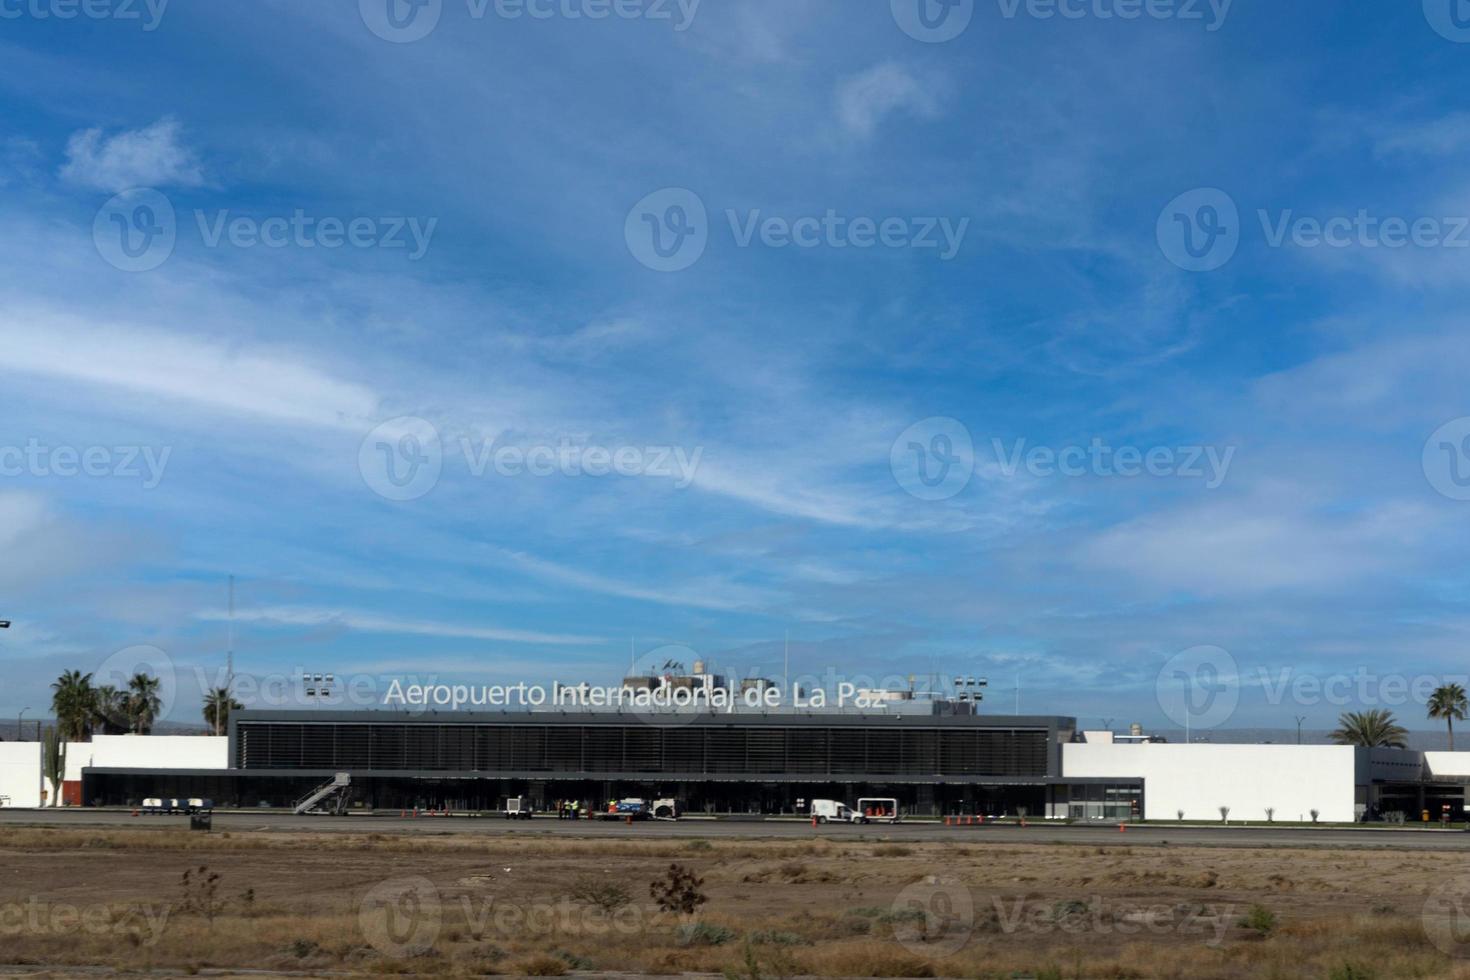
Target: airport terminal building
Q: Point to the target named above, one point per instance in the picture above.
(936, 756)
(932, 762)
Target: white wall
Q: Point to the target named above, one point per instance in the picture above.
(1201, 778)
(147, 752)
(20, 773)
(1447, 763)
(158, 752)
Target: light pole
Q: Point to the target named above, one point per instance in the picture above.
(19, 732)
(1299, 720)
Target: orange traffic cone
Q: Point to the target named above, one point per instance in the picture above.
(1122, 828)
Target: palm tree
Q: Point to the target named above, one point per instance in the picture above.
(143, 702)
(217, 707)
(74, 703)
(1371, 729)
(110, 710)
(1449, 702)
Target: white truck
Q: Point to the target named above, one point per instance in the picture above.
(518, 808)
(827, 811)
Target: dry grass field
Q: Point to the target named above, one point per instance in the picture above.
(461, 904)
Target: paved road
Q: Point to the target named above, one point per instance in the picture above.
(1155, 835)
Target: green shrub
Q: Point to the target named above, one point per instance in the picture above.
(703, 934)
(1351, 971)
(1259, 918)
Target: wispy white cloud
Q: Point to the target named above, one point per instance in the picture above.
(153, 156)
(373, 623)
(864, 100)
(705, 593)
(236, 379)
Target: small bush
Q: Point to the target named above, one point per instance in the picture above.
(892, 850)
(607, 894)
(679, 892)
(703, 934)
(574, 961)
(539, 965)
(1260, 919)
(774, 937)
(1351, 971)
(699, 845)
(902, 915)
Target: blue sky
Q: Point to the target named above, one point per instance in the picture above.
(773, 399)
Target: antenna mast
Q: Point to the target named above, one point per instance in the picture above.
(230, 646)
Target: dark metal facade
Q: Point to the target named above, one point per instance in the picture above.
(813, 747)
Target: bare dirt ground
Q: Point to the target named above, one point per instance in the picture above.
(172, 903)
